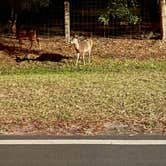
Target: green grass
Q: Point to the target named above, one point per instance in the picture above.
(129, 91)
(99, 65)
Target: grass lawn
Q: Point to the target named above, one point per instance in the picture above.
(105, 97)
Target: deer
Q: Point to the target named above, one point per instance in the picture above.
(23, 34)
(12, 27)
(82, 47)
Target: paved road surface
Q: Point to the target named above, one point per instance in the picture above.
(82, 155)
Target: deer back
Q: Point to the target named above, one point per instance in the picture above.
(85, 45)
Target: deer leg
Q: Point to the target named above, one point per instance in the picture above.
(83, 56)
(38, 43)
(78, 56)
(31, 44)
(20, 44)
(89, 56)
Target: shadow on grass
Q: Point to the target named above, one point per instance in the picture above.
(23, 54)
(53, 57)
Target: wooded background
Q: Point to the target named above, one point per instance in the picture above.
(83, 17)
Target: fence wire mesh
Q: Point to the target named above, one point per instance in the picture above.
(84, 16)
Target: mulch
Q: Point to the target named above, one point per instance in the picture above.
(102, 47)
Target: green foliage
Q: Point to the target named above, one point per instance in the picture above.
(119, 10)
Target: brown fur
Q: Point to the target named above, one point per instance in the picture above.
(82, 47)
(24, 34)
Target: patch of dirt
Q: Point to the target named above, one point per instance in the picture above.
(130, 48)
(103, 47)
(6, 58)
(84, 128)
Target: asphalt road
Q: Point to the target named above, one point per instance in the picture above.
(82, 155)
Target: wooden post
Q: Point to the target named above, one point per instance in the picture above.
(67, 19)
(163, 19)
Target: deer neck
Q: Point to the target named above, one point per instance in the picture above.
(76, 45)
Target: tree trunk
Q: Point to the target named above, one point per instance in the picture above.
(163, 19)
(67, 19)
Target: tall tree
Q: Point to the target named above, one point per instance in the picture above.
(163, 19)
(29, 5)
